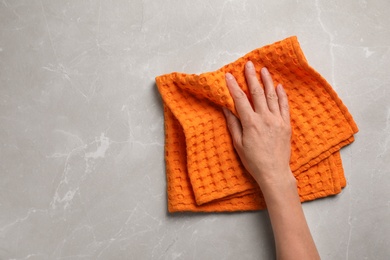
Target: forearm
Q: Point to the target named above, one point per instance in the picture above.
(292, 235)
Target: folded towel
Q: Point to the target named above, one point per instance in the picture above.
(203, 171)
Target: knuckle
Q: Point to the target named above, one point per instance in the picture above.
(239, 95)
(269, 123)
(272, 96)
(258, 91)
(284, 105)
(231, 125)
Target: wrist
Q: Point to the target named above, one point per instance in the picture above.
(283, 185)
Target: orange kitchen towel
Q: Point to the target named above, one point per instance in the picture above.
(203, 171)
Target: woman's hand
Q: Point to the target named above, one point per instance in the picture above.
(261, 135)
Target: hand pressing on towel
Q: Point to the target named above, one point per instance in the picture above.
(261, 136)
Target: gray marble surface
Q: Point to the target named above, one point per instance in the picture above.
(81, 125)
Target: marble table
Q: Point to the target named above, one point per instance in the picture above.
(81, 125)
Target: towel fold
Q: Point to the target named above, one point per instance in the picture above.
(203, 171)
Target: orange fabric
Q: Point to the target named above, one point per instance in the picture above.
(203, 170)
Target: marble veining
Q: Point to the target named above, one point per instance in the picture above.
(81, 125)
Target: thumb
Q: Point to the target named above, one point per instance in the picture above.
(234, 126)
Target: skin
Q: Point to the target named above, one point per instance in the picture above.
(262, 138)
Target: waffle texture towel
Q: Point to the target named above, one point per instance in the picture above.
(204, 173)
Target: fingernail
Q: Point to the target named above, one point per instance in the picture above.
(265, 70)
(229, 76)
(249, 65)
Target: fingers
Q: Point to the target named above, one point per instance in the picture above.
(283, 103)
(257, 92)
(265, 100)
(241, 102)
(271, 97)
